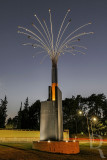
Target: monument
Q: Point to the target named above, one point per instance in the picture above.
(51, 115)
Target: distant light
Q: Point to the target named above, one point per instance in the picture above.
(49, 141)
(94, 119)
(74, 141)
(82, 133)
(66, 141)
(38, 141)
(80, 112)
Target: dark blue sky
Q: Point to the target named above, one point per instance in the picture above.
(22, 76)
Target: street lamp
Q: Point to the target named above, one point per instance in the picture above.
(80, 112)
(93, 120)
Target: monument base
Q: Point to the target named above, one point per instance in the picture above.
(64, 147)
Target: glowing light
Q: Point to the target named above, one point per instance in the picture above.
(74, 140)
(66, 141)
(49, 141)
(94, 119)
(53, 91)
(80, 112)
(82, 133)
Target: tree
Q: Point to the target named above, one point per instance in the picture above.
(29, 116)
(95, 104)
(9, 124)
(26, 104)
(71, 119)
(104, 108)
(25, 115)
(12, 123)
(100, 128)
(34, 115)
(3, 110)
(19, 121)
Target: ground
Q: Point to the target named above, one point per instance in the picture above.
(23, 151)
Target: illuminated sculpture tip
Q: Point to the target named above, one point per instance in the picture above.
(49, 9)
(69, 10)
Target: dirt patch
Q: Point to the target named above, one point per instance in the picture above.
(25, 152)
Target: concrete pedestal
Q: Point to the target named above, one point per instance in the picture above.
(51, 118)
(57, 146)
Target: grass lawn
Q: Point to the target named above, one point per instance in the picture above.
(23, 151)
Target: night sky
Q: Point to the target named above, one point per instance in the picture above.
(23, 76)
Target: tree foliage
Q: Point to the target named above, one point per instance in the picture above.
(94, 105)
(3, 110)
(28, 117)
